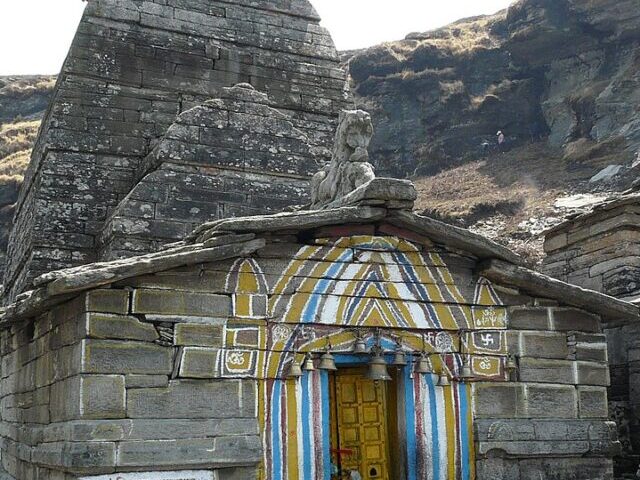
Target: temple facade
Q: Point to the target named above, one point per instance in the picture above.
(163, 322)
(356, 340)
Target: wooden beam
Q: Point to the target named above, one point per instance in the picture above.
(612, 310)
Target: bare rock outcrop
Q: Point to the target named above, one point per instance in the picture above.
(563, 71)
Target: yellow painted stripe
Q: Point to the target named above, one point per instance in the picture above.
(247, 279)
(450, 421)
(445, 317)
(294, 267)
(262, 422)
(292, 429)
(242, 305)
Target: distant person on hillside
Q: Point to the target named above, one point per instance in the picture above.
(502, 141)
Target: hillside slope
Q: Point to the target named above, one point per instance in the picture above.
(23, 101)
(561, 78)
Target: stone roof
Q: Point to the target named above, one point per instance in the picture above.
(627, 198)
(244, 236)
(235, 155)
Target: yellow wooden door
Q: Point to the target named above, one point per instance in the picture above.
(361, 425)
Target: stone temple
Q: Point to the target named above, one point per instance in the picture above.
(133, 67)
(208, 282)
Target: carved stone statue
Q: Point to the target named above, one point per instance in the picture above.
(349, 167)
(349, 179)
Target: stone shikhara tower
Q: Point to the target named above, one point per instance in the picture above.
(134, 66)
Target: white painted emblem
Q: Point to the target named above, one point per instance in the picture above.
(444, 342)
(281, 333)
(487, 339)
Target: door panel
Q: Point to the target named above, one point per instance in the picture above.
(360, 425)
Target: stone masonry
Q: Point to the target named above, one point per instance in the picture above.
(229, 157)
(165, 362)
(600, 250)
(133, 67)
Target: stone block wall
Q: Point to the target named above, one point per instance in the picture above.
(186, 369)
(230, 157)
(554, 417)
(133, 67)
(88, 388)
(599, 251)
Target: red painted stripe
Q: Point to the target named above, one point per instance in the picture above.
(317, 424)
(456, 412)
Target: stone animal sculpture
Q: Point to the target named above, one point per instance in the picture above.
(349, 167)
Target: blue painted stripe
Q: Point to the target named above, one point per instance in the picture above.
(407, 266)
(321, 288)
(359, 294)
(276, 445)
(306, 454)
(326, 426)
(464, 433)
(358, 298)
(410, 414)
(433, 407)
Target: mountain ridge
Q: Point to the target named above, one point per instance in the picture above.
(559, 77)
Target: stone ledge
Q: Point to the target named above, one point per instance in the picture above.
(391, 192)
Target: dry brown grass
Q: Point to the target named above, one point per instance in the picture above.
(28, 85)
(15, 137)
(503, 195)
(13, 167)
(16, 142)
(587, 152)
(458, 38)
(521, 177)
(505, 189)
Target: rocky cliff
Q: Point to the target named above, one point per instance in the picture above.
(561, 79)
(23, 101)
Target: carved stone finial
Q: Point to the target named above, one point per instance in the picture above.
(349, 179)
